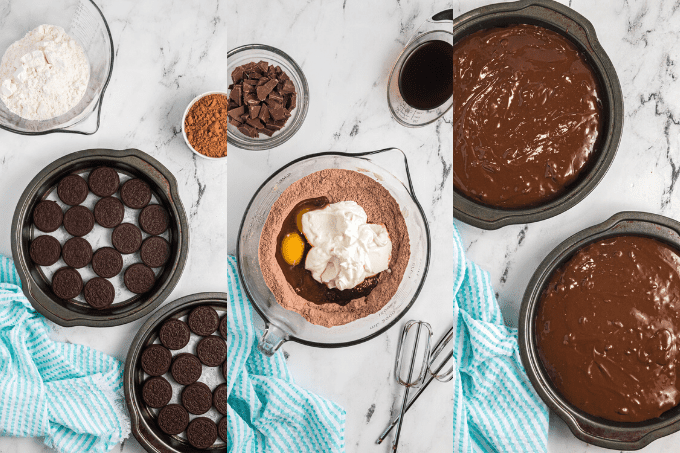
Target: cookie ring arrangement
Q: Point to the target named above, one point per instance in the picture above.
(175, 376)
(78, 234)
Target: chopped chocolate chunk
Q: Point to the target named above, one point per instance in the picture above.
(237, 112)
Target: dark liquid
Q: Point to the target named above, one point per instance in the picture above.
(426, 80)
(300, 278)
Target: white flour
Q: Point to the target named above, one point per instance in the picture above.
(43, 75)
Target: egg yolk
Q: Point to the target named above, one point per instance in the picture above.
(298, 218)
(292, 248)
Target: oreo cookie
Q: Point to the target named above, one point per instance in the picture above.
(222, 428)
(139, 278)
(220, 395)
(223, 327)
(154, 219)
(173, 419)
(126, 238)
(109, 212)
(67, 283)
(135, 193)
(186, 368)
(224, 370)
(156, 392)
(107, 262)
(156, 360)
(155, 251)
(202, 433)
(197, 398)
(72, 190)
(99, 293)
(78, 221)
(203, 320)
(45, 251)
(212, 350)
(77, 252)
(47, 216)
(174, 334)
(103, 181)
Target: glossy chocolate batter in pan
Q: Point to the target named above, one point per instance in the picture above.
(608, 329)
(526, 115)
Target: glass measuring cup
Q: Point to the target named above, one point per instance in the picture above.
(437, 28)
(283, 325)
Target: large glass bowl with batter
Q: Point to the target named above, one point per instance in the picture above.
(283, 325)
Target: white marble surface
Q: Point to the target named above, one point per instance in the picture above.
(165, 56)
(346, 50)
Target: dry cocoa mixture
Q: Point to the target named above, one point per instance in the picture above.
(381, 208)
(206, 125)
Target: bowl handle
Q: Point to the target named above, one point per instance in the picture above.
(271, 340)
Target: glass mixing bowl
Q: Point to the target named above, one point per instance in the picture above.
(84, 22)
(283, 325)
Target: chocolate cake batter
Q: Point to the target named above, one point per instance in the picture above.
(607, 329)
(527, 116)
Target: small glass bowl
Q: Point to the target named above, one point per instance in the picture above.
(184, 117)
(260, 52)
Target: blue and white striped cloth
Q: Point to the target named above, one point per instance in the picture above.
(495, 408)
(69, 394)
(266, 411)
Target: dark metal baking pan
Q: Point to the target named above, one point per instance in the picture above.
(142, 418)
(594, 430)
(580, 31)
(36, 285)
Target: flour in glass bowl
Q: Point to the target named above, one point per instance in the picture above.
(44, 74)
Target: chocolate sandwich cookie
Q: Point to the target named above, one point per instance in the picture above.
(156, 392)
(222, 428)
(154, 219)
(174, 334)
(220, 395)
(156, 360)
(155, 251)
(173, 419)
(224, 370)
(103, 181)
(203, 320)
(99, 293)
(223, 327)
(126, 238)
(109, 212)
(45, 250)
(72, 190)
(67, 283)
(139, 278)
(78, 221)
(135, 193)
(186, 368)
(77, 252)
(202, 433)
(47, 216)
(107, 262)
(197, 398)
(212, 350)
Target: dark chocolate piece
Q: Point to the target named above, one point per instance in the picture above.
(154, 219)
(99, 293)
(156, 392)
(174, 334)
(109, 212)
(78, 221)
(155, 251)
(104, 181)
(186, 368)
(77, 252)
(212, 350)
(220, 395)
(202, 433)
(72, 190)
(173, 419)
(156, 360)
(126, 238)
(203, 320)
(135, 193)
(107, 262)
(197, 398)
(223, 327)
(45, 250)
(222, 428)
(47, 216)
(139, 278)
(67, 283)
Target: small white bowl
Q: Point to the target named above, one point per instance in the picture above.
(184, 117)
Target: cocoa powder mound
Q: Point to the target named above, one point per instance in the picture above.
(206, 125)
(381, 208)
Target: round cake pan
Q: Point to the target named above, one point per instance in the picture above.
(580, 31)
(588, 428)
(143, 418)
(37, 286)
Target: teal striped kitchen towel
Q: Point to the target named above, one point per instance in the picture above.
(69, 394)
(266, 411)
(495, 408)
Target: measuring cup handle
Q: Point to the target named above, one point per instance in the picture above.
(408, 184)
(271, 340)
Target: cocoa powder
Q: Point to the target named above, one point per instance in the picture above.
(206, 125)
(381, 208)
